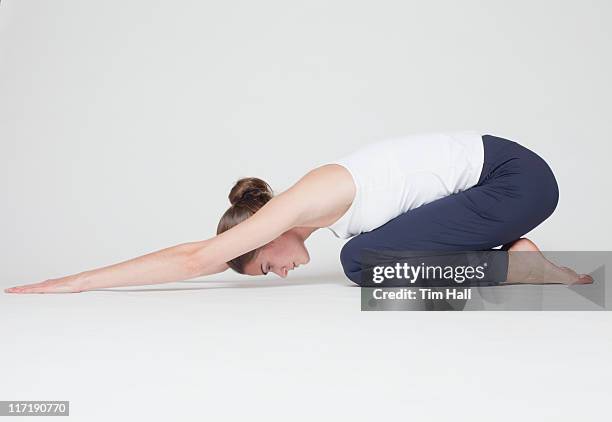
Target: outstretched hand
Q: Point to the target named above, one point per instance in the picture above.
(68, 284)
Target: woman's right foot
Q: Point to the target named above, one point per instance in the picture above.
(527, 265)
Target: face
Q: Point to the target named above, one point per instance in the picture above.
(279, 256)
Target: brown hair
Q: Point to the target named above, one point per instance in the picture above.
(247, 196)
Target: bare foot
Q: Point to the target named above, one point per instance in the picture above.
(527, 265)
(582, 278)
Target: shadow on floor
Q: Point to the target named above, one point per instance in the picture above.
(330, 278)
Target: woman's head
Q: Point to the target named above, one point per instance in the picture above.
(281, 255)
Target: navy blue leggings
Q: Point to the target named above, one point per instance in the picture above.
(516, 192)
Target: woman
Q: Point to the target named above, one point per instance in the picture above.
(431, 192)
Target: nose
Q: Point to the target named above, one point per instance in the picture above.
(282, 272)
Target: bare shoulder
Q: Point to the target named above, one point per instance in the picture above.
(323, 194)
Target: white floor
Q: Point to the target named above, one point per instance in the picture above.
(297, 350)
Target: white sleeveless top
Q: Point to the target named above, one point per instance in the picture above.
(395, 175)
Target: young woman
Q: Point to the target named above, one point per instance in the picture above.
(431, 192)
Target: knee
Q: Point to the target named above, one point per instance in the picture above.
(350, 260)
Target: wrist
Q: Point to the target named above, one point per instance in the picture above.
(82, 281)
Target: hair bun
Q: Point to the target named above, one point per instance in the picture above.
(250, 189)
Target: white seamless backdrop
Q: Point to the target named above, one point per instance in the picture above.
(123, 125)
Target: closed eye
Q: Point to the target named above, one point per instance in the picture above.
(262, 270)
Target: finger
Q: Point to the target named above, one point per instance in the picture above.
(30, 288)
(26, 290)
(16, 289)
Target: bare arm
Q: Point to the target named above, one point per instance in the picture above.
(308, 202)
(170, 264)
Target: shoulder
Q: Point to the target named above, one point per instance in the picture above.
(327, 180)
(322, 194)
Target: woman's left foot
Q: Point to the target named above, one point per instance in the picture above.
(533, 267)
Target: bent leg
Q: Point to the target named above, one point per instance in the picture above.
(516, 193)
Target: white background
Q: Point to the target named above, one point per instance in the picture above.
(123, 125)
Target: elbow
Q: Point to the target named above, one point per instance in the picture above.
(194, 265)
(197, 261)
